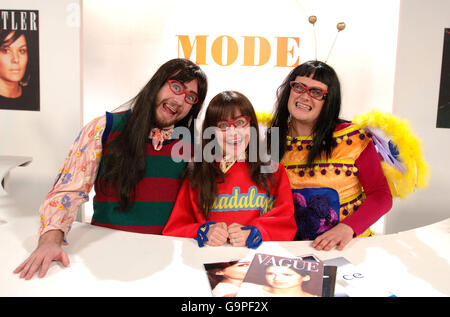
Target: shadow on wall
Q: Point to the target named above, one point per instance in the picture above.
(28, 191)
(418, 210)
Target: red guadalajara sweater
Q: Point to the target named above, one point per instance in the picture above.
(239, 201)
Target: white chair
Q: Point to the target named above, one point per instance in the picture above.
(7, 163)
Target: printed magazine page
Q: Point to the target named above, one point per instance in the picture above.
(329, 275)
(351, 281)
(225, 278)
(270, 275)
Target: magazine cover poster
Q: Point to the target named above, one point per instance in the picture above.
(443, 117)
(19, 60)
(270, 275)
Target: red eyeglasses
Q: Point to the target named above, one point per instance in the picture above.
(239, 122)
(314, 92)
(178, 89)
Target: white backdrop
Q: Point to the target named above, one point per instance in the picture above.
(124, 42)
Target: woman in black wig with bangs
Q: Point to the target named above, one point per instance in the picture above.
(339, 188)
(328, 118)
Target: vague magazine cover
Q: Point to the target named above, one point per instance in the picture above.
(270, 275)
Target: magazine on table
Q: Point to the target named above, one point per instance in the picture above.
(225, 278)
(352, 281)
(329, 275)
(271, 275)
(340, 277)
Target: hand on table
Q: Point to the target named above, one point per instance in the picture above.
(48, 250)
(339, 236)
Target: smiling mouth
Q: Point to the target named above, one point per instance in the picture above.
(281, 283)
(303, 107)
(170, 109)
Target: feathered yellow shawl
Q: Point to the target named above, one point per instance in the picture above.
(416, 172)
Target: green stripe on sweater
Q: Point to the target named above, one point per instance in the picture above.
(140, 214)
(163, 167)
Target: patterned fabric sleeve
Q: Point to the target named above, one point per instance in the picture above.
(376, 188)
(74, 181)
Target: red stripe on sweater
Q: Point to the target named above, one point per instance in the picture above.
(150, 189)
(183, 150)
(137, 229)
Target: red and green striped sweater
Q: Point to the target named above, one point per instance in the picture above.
(155, 193)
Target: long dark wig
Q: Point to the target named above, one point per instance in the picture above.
(328, 118)
(123, 164)
(206, 175)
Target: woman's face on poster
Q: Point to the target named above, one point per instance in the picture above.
(13, 59)
(283, 277)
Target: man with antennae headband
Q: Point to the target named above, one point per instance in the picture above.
(340, 186)
(333, 201)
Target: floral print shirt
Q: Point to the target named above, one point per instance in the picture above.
(74, 180)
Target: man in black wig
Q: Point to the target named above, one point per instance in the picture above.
(127, 156)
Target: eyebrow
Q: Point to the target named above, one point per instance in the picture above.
(232, 116)
(190, 90)
(326, 89)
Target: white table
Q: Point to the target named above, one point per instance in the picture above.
(7, 163)
(107, 262)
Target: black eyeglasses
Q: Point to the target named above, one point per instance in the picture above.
(314, 92)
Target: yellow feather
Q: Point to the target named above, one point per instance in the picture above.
(410, 152)
(264, 118)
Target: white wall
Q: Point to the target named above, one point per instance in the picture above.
(417, 80)
(125, 41)
(48, 134)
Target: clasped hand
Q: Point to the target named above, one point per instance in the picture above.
(219, 233)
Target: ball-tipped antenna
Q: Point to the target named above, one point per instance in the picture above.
(313, 19)
(340, 26)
